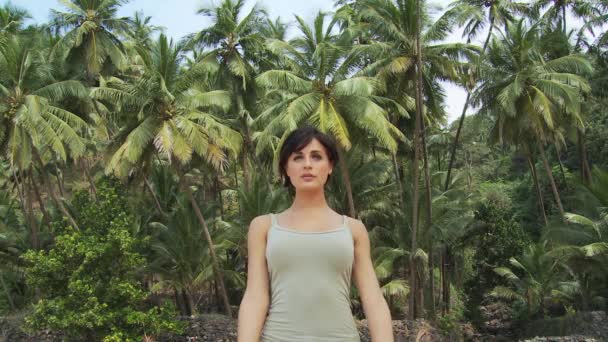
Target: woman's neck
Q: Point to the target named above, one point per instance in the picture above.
(307, 200)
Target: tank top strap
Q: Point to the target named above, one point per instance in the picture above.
(273, 219)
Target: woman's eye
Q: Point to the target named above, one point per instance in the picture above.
(317, 157)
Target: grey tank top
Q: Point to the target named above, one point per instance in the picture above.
(310, 274)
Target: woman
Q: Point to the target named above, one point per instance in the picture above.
(301, 260)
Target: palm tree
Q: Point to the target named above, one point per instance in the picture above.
(555, 16)
(581, 244)
(316, 89)
(410, 58)
(528, 93)
(178, 256)
(555, 12)
(35, 126)
(475, 16)
(90, 38)
(236, 46)
(540, 275)
(12, 18)
(165, 108)
(140, 31)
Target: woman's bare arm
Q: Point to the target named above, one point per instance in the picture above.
(376, 310)
(254, 306)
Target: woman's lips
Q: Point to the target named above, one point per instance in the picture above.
(308, 177)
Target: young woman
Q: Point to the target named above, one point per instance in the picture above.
(301, 260)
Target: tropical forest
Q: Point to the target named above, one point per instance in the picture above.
(132, 163)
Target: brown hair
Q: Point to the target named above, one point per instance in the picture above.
(297, 140)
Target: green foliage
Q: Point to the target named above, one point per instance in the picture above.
(500, 239)
(87, 281)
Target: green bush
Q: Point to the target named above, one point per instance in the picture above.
(502, 239)
(87, 282)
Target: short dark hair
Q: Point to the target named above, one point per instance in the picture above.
(297, 140)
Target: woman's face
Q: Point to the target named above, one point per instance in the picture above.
(309, 167)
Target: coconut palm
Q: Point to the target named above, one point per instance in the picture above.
(90, 34)
(582, 243)
(410, 57)
(316, 89)
(555, 12)
(540, 275)
(12, 18)
(140, 31)
(235, 46)
(529, 94)
(477, 16)
(36, 126)
(167, 118)
(178, 256)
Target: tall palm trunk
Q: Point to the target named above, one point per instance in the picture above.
(92, 187)
(445, 279)
(51, 191)
(156, 201)
(539, 195)
(31, 218)
(561, 165)
(246, 172)
(464, 111)
(414, 303)
(45, 214)
(429, 220)
(349, 188)
(59, 176)
(585, 169)
(558, 201)
(398, 179)
(214, 260)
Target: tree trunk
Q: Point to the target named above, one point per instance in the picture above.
(45, 214)
(215, 262)
(561, 165)
(552, 181)
(398, 179)
(414, 304)
(464, 112)
(219, 195)
(61, 182)
(539, 195)
(347, 184)
(25, 200)
(445, 285)
(31, 218)
(92, 187)
(190, 307)
(156, 201)
(585, 169)
(49, 189)
(179, 302)
(246, 173)
(429, 214)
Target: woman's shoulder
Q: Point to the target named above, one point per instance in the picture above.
(260, 224)
(356, 226)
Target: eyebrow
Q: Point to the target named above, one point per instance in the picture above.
(300, 152)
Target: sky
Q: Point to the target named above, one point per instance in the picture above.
(179, 18)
